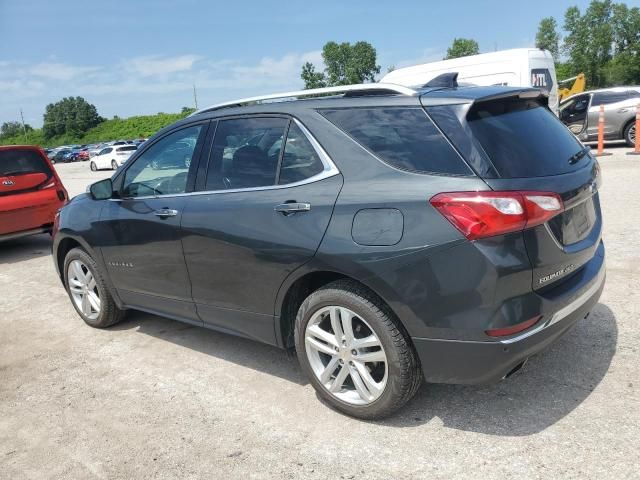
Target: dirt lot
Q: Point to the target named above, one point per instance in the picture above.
(154, 398)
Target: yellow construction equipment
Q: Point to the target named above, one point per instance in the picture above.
(579, 84)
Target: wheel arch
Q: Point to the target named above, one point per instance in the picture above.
(297, 289)
(63, 244)
(626, 125)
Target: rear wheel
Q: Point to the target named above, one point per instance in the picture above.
(88, 291)
(630, 134)
(93, 166)
(114, 165)
(355, 353)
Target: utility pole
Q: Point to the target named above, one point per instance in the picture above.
(24, 129)
(195, 96)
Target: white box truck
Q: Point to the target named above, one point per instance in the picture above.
(518, 67)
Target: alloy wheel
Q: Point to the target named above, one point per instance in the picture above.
(632, 135)
(346, 355)
(84, 290)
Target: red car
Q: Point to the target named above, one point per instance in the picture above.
(30, 192)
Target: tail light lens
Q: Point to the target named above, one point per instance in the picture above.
(486, 214)
(513, 329)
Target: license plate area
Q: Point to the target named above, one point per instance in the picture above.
(575, 224)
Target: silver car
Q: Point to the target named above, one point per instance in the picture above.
(580, 113)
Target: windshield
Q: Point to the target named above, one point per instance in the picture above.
(524, 139)
(22, 161)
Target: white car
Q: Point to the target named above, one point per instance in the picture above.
(112, 157)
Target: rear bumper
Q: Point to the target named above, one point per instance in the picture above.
(481, 362)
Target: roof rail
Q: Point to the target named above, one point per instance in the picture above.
(364, 88)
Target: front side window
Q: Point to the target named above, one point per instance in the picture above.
(163, 168)
(245, 153)
(300, 160)
(403, 137)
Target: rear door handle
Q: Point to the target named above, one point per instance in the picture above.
(293, 207)
(165, 213)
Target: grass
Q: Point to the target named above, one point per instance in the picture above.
(114, 129)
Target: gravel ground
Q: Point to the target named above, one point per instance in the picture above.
(154, 398)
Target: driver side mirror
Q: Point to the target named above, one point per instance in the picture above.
(101, 190)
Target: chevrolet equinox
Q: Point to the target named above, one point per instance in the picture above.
(388, 234)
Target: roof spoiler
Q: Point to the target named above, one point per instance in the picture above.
(444, 80)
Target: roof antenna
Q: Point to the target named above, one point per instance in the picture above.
(445, 80)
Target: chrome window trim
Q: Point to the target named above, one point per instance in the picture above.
(330, 170)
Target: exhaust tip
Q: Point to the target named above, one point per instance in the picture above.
(514, 369)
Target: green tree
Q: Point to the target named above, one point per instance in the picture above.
(624, 67)
(12, 129)
(548, 37)
(462, 47)
(71, 116)
(589, 39)
(345, 64)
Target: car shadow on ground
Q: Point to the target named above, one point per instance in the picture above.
(25, 248)
(550, 386)
(248, 353)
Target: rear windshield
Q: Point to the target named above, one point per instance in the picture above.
(126, 149)
(523, 139)
(402, 137)
(20, 162)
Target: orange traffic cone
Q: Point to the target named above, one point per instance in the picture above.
(601, 152)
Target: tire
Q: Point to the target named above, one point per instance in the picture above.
(108, 312)
(114, 165)
(154, 165)
(391, 383)
(93, 167)
(630, 133)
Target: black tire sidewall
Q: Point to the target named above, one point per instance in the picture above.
(105, 318)
(627, 134)
(327, 297)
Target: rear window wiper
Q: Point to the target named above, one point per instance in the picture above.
(575, 158)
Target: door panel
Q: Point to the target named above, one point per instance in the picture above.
(141, 239)
(143, 254)
(239, 249)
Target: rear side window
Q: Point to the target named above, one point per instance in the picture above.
(127, 149)
(402, 137)
(21, 162)
(300, 161)
(523, 139)
(245, 153)
(606, 98)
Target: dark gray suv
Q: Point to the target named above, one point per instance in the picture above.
(387, 234)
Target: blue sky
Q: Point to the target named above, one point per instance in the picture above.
(142, 56)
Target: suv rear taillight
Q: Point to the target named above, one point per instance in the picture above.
(486, 214)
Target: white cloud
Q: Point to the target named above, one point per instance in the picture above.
(428, 55)
(157, 65)
(147, 84)
(60, 71)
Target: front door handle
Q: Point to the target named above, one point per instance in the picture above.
(165, 213)
(292, 207)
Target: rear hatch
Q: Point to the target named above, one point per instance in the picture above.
(516, 144)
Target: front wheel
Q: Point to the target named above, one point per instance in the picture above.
(88, 291)
(630, 134)
(354, 351)
(114, 165)
(93, 166)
